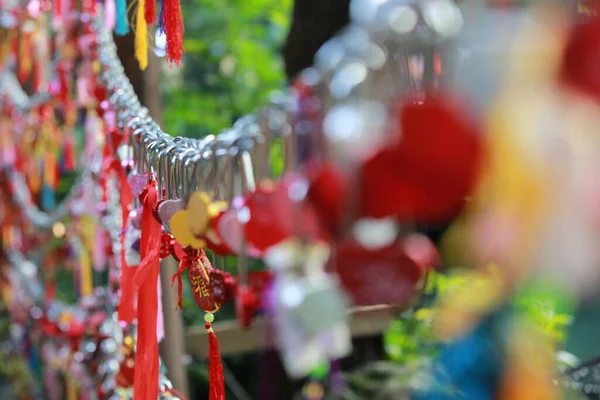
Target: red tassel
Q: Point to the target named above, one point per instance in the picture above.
(146, 278)
(173, 20)
(216, 379)
(150, 11)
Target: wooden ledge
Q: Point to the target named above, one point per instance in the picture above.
(364, 321)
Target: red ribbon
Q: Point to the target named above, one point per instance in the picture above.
(126, 308)
(146, 279)
(184, 263)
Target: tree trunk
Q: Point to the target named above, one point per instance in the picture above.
(313, 23)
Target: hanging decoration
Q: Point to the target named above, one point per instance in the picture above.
(336, 230)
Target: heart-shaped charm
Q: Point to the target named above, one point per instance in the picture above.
(138, 183)
(231, 231)
(275, 215)
(169, 207)
(373, 277)
(214, 241)
(433, 166)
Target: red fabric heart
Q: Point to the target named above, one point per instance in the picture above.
(581, 59)
(382, 276)
(275, 216)
(213, 239)
(432, 168)
(231, 232)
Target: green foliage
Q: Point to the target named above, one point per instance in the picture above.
(411, 338)
(545, 312)
(231, 64)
